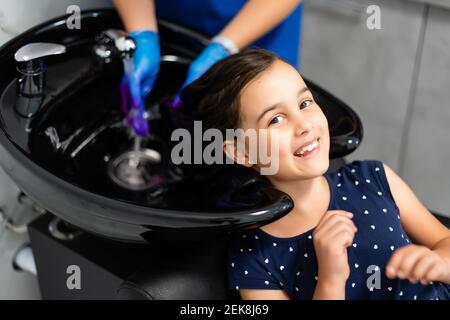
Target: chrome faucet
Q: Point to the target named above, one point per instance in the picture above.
(114, 43)
(31, 80)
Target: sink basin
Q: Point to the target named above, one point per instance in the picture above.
(60, 156)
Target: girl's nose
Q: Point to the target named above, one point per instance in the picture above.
(305, 128)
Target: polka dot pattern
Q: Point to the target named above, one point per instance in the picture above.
(290, 264)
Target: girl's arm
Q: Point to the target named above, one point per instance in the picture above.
(256, 18)
(259, 294)
(429, 260)
(323, 291)
(326, 291)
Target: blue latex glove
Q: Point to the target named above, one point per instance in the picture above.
(139, 76)
(213, 53)
(146, 62)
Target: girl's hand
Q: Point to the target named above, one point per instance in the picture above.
(417, 263)
(332, 236)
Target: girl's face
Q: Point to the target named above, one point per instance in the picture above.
(278, 100)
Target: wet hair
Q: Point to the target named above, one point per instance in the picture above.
(215, 96)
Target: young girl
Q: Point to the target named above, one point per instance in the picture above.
(359, 233)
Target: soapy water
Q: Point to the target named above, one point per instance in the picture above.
(133, 169)
(133, 110)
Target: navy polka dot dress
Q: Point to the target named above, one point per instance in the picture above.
(258, 260)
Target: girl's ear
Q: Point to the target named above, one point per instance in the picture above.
(231, 150)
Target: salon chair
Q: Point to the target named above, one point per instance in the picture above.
(60, 125)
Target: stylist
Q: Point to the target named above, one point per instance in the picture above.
(232, 25)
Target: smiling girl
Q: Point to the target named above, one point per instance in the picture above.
(358, 233)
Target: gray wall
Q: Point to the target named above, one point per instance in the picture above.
(427, 147)
(19, 15)
(396, 78)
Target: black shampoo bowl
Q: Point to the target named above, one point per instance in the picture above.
(57, 137)
(58, 156)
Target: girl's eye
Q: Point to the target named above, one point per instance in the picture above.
(305, 103)
(275, 120)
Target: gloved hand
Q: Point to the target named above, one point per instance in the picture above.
(145, 67)
(213, 53)
(134, 113)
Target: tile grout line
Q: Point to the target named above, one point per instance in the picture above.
(413, 91)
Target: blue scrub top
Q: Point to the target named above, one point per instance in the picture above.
(211, 16)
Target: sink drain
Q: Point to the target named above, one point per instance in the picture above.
(133, 169)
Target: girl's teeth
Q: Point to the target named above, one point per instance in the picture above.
(309, 148)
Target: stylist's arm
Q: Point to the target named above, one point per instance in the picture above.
(139, 19)
(255, 19)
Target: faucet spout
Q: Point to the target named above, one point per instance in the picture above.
(31, 79)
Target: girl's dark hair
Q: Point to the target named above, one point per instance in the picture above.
(215, 96)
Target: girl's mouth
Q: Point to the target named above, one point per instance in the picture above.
(308, 151)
